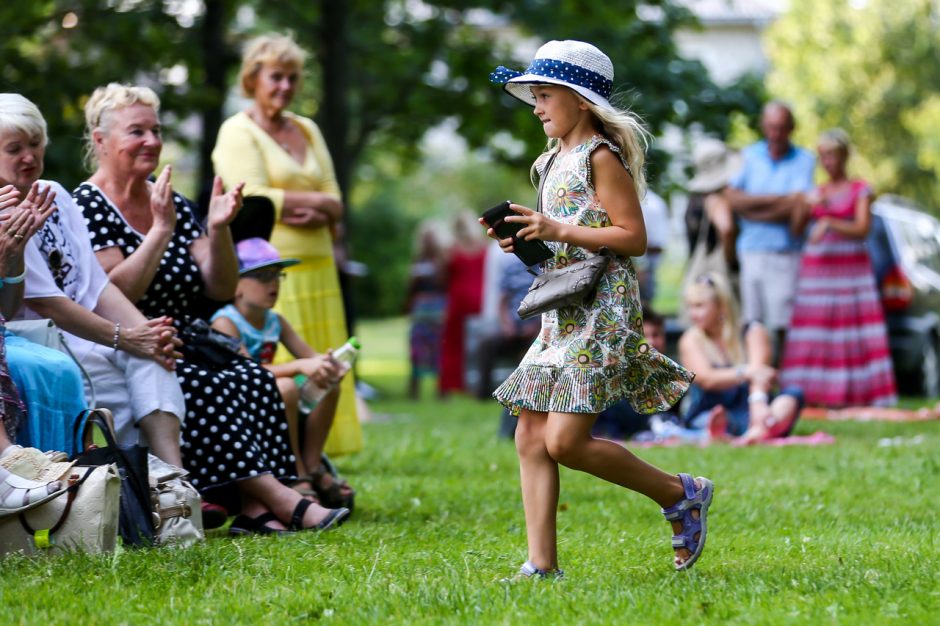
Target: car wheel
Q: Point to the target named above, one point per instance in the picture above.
(930, 368)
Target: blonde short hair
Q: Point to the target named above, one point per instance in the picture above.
(272, 48)
(20, 114)
(103, 102)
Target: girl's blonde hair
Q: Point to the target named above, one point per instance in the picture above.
(102, 104)
(626, 131)
(20, 114)
(716, 288)
(273, 48)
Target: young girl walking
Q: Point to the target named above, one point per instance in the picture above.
(588, 357)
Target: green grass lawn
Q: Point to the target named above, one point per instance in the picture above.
(846, 533)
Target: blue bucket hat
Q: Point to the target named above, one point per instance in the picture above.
(573, 64)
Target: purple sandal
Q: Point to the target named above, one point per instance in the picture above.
(699, 499)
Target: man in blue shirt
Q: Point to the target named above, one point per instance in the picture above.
(772, 183)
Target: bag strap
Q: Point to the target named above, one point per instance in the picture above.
(548, 166)
(42, 537)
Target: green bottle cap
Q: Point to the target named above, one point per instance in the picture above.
(355, 343)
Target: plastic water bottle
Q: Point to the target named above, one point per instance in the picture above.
(311, 393)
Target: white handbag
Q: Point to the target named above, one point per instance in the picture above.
(177, 505)
(84, 517)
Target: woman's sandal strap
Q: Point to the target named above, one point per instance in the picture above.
(297, 517)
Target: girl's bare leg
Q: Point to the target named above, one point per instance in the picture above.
(538, 474)
(317, 428)
(291, 396)
(568, 441)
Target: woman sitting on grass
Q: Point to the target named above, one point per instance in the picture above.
(732, 392)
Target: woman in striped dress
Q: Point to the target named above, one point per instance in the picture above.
(837, 346)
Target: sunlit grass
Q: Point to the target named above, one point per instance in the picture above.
(832, 534)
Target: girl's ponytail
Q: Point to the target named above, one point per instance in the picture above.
(627, 132)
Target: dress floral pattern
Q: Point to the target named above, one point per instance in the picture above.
(588, 357)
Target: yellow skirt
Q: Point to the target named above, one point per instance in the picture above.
(311, 301)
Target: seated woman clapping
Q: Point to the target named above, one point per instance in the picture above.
(235, 443)
(129, 357)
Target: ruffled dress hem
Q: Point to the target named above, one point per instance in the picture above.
(590, 390)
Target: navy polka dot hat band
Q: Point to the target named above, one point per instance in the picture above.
(574, 64)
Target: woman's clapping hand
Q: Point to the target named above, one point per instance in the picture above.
(224, 207)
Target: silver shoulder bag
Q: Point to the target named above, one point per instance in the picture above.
(573, 284)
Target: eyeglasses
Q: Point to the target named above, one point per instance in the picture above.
(266, 277)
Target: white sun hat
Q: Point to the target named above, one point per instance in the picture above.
(715, 165)
(573, 64)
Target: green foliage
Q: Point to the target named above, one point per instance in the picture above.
(870, 68)
(58, 67)
(841, 534)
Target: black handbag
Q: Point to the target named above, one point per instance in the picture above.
(135, 522)
(564, 286)
(206, 346)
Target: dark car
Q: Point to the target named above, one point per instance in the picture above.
(904, 244)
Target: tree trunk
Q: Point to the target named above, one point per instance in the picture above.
(216, 61)
(334, 112)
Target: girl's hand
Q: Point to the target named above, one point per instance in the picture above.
(763, 376)
(154, 339)
(223, 207)
(505, 244)
(161, 202)
(537, 226)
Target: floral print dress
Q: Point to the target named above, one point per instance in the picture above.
(587, 357)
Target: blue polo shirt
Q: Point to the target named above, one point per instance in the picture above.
(762, 175)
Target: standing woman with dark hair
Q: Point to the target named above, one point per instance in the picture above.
(284, 157)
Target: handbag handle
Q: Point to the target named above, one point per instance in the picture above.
(72, 490)
(81, 431)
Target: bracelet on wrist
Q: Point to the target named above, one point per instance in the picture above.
(13, 280)
(117, 335)
(757, 396)
(739, 373)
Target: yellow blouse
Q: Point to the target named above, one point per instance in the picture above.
(245, 152)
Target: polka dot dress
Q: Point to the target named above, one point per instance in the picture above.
(235, 424)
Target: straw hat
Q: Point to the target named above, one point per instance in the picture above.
(36, 465)
(573, 64)
(715, 164)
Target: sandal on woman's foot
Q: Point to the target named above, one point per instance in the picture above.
(334, 517)
(696, 499)
(18, 493)
(305, 491)
(338, 494)
(244, 525)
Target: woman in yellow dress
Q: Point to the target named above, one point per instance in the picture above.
(283, 157)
